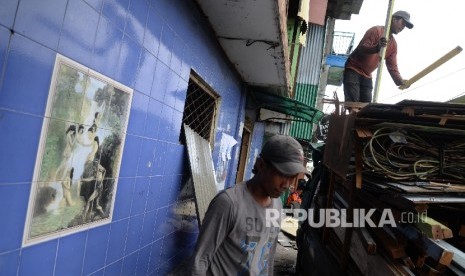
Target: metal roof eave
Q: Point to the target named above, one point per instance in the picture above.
(286, 106)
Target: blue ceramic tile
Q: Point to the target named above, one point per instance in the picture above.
(169, 248)
(165, 128)
(96, 4)
(140, 103)
(29, 68)
(117, 240)
(106, 48)
(128, 61)
(79, 29)
(172, 161)
(114, 269)
(8, 12)
(176, 126)
(143, 261)
(166, 190)
(9, 263)
(160, 81)
(166, 45)
(169, 10)
(30, 264)
(130, 264)
(176, 55)
(155, 255)
(136, 21)
(153, 32)
(96, 248)
(153, 118)
(171, 89)
(186, 66)
(160, 223)
(4, 40)
(130, 158)
(159, 158)
(123, 200)
(146, 71)
(147, 230)
(165, 268)
(140, 195)
(17, 163)
(146, 157)
(13, 208)
(41, 21)
(99, 272)
(116, 11)
(70, 254)
(134, 234)
(180, 96)
(154, 193)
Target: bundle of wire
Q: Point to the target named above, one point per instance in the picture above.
(404, 155)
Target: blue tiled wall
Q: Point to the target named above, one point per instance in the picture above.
(150, 46)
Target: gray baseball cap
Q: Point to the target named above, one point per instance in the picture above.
(404, 15)
(285, 154)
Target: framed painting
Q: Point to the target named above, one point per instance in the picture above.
(79, 156)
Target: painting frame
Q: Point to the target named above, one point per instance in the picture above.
(79, 154)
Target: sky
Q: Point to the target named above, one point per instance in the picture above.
(438, 28)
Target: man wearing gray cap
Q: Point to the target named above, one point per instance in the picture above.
(235, 237)
(357, 81)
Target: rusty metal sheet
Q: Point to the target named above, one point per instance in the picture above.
(339, 142)
(202, 170)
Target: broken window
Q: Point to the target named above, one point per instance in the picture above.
(200, 108)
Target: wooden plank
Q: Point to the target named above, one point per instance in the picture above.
(367, 240)
(431, 67)
(438, 253)
(432, 228)
(394, 249)
(458, 260)
(368, 264)
(462, 231)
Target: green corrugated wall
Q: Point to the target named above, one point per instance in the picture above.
(305, 93)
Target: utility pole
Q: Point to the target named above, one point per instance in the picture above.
(387, 31)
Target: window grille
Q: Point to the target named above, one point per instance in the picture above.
(200, 108)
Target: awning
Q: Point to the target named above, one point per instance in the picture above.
(286, 106)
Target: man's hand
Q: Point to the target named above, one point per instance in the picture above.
(404, 85)
(382, 42)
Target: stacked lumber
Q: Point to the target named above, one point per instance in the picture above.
(409, 159)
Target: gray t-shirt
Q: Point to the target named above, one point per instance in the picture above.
(234, 237)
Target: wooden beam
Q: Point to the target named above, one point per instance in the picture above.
(431, 67)
(458, 260)
(367, 240)
(438, 253)
(432, 228)
(394, 249)
(462, 231)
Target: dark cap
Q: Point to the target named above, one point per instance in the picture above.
(404, 15)
(285, 154)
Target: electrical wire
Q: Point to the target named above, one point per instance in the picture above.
(404, 155)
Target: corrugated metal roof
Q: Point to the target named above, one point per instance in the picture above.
(308, 78)
(312, 56)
